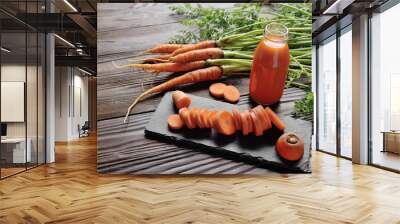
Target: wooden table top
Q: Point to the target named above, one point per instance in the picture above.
(125, 30)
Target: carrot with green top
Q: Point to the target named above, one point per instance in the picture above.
(206, 74)
(165, 48)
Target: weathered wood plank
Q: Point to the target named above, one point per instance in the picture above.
(121, 16)
(133, 41)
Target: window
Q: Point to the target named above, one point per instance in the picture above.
(346, 92)
(327, 95)
(385, 89)
(22, 75)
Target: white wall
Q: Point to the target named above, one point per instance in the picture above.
(14, 73)
(62, 81)
(33, 126)
(69, 82)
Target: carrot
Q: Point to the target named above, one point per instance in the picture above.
(217, 89)
(278, 123)
(170, 67)
(196, 55)
(212, 117)
(231, 94)
(161, 58)
(236, 118)
(165, 48)
(191, 47)
(257, 124)
(197, 116)
(245, 122)
(263, 117)
(193, 117)
(210, 73)
(175, 122)
(264, 114)
(191, 121)
(290, 147)
(184, 115)
(225, 123)
(181, 99)
(250, 121)
(204, 118)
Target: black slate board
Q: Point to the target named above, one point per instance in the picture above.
(251, 149)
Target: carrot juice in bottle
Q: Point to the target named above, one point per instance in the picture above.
(270, 65)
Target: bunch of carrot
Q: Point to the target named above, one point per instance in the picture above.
(230, 55)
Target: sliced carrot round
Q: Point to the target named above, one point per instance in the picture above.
(225, 123)
(181, 99)
(193, 117)
(204, 118)
(231, 94)
(175, 122)
(278, 123)
(191, 121)
(212, 117)
(217, 89)
(257, 124)
(260, 112)
(245, 122)
(181, 111)
(267, 120)
(251, 126)
(199, 119)
(185, 116)
(257, 113)
(236, 118)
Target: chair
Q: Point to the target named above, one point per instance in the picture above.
(84, 130)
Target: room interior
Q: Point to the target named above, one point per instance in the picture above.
(26, 93)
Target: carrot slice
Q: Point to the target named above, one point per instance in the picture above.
(225, 124)
(260, 119)
(263, 116)
(175, 122)
(181, 99)
(191, 119)
(267, 120)
(217, 89)
(231, 94)
(204, 118)
(245, 122)
(199, 120)
(251, 126)
(184, 113)
(211, 117)
(236, 118)
(193, 116)
(257, 124)
(181, 111)
(276, 121)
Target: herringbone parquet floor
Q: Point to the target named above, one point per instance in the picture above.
(70, 191)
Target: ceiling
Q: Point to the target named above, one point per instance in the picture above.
(332, 15)
(72, 20)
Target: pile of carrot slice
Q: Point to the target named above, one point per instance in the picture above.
(256, 120)
(228, 92)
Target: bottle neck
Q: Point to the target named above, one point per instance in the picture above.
(274, 38)
(276, 32)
